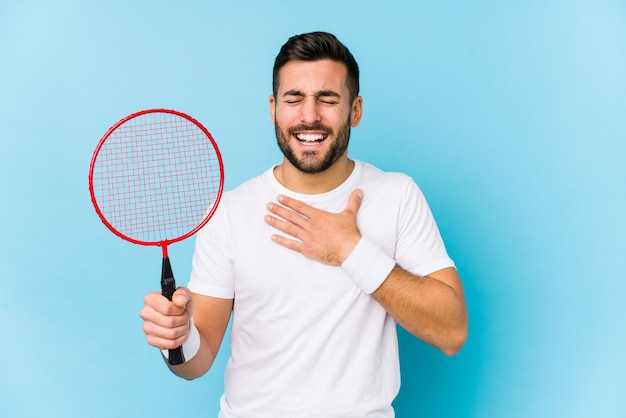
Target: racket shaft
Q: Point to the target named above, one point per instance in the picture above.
(168, 287)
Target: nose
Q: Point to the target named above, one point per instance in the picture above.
(309, 111)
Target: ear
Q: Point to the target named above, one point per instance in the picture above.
(357, 111)
(272, 108)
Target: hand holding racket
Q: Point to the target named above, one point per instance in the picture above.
(156, 178)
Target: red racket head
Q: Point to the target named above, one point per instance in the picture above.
(156, 177)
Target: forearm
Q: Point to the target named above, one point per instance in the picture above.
(431, 308)
(210, 317)
(198, 365)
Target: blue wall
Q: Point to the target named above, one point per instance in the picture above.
(510, 115)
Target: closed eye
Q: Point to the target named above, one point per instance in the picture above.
(293, 96)
(328, 97)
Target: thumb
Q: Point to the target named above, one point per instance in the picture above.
(354, 203)
(182, 297)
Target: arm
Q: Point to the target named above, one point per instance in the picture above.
(166, 325)
(432, 308)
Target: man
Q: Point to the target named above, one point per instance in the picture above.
(317, 260)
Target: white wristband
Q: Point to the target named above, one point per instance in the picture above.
(368, 265)
(191, 346)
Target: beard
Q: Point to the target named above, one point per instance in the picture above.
(313, 162)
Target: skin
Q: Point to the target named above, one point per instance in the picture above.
(312, 93)
(313, 101)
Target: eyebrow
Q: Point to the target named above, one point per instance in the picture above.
(321, 93)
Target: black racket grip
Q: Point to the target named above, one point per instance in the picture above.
(168, 287)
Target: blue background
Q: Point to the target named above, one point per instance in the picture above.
(510, 115)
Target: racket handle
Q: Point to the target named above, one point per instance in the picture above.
(168, 287)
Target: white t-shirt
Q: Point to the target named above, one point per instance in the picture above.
(306, 340)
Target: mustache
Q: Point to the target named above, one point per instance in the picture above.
(312, 127)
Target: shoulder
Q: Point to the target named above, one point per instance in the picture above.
(238, 209)
(250, 190)
(386, 190)
(391, 181)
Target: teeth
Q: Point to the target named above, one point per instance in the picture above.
(310, 137)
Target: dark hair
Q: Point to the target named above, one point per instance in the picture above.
(316, 46)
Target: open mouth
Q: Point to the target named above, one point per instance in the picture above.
(310, 138)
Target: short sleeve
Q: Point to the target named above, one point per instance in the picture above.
(212, 272)
(420, 248)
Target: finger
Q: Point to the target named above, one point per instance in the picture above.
(287, 214)
(291, 244)
(151, 316)
(155, 302)
(298, 206)
(170, 327)
(288, 228)
(164, 343)
(162, 337)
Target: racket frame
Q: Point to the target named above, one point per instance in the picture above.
(163, 243)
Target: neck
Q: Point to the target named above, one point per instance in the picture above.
(304, 183)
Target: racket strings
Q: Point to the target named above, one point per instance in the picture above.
(156, 177)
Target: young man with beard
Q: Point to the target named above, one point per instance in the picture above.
(316, 260)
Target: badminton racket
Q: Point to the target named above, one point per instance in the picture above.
(155, 178)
